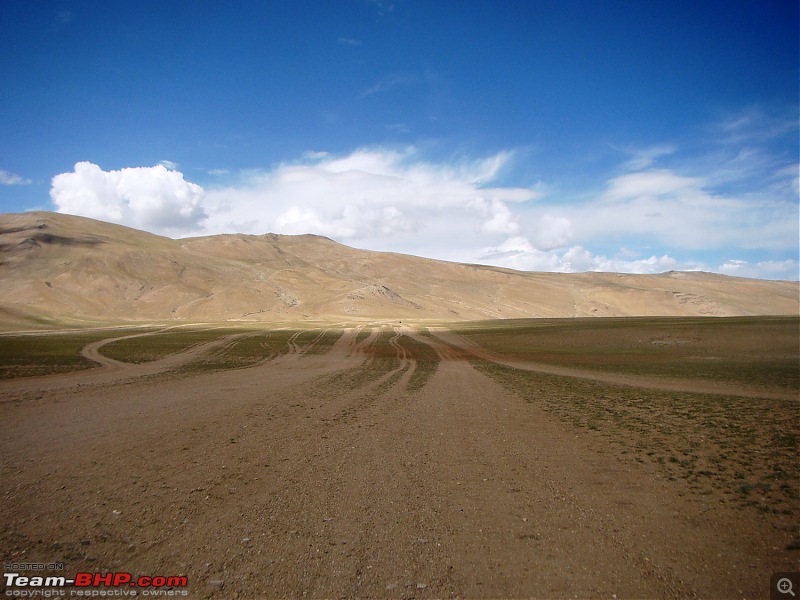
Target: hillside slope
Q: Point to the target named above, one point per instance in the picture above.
(63, 269)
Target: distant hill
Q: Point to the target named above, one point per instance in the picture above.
(61, 269)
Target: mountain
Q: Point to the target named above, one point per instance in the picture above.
(62, 269)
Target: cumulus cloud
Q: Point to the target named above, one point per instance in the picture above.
(153, 198)
(378, 198)
(7, 178)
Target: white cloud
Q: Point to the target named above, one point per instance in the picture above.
(661, 207)
(315, 155)
(519, 253)
(769, 269)
(788, 178)
(7, 178)
(401, 80)
(757, 125)
(151, 198)
(553, 232)
(377, 198)
(397, 128)
(643, 158)
(497, 217)
(650, 184)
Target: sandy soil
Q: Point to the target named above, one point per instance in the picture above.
(281, 481)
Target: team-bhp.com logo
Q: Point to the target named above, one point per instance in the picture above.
(89, 584)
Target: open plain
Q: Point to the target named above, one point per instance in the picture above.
(555, 458)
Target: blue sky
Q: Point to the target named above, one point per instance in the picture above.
(542, 135)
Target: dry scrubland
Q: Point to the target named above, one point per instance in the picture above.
(648, 457)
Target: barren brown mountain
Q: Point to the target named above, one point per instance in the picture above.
(66, 269)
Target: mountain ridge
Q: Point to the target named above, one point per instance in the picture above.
(65, 269)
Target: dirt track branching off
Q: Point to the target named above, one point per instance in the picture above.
(48, 353)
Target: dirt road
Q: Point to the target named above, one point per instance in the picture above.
(323, 475)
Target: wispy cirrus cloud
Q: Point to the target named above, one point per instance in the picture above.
(755, 124)
(345, 41)
(389, 82)
(8, 178)
(394, 81)
(169, 165)
(642, 158)
(383, 7)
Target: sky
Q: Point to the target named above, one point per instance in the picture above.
(565, 135)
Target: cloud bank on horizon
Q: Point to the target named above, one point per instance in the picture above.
(395, 200)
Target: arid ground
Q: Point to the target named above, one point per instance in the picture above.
(544, 458)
